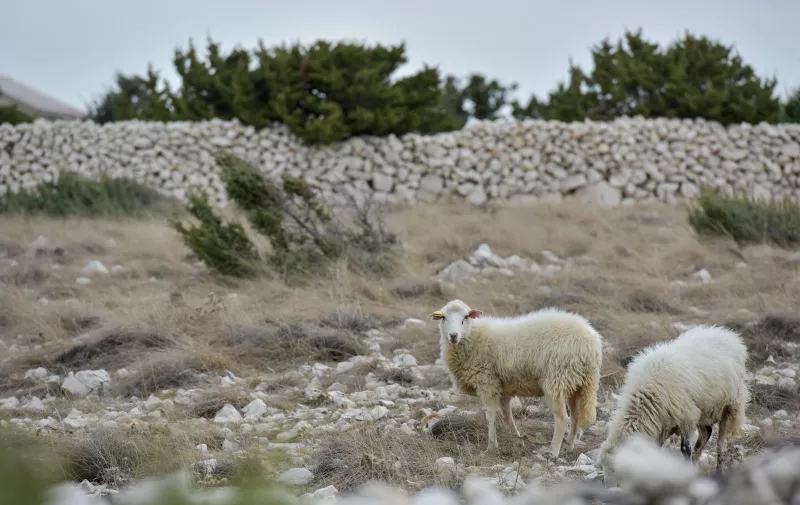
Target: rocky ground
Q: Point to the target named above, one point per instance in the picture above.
(123, 355)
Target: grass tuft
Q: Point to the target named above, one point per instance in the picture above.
(73, 195)
(747, 219)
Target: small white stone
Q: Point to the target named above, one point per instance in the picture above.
(95, 267)
(404, 360)
(228, 414)
(702, 276)
(445, 462)
(255, 408)
(296, 476)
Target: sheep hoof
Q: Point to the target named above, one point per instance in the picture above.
(551, 455)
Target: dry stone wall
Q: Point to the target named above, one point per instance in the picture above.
(623, 161)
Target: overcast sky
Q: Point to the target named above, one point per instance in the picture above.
(71, 49)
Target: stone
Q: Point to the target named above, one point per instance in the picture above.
(40, 373)
(95, 267)
(382, 182)
(84, 382)
(296, 476)
(255, 408)
(457, 271)
(573, 182)
(600, 193)
(404, 360)
(702, 276)
(477, 196)
(228, 414)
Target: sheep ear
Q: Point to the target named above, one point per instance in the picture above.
(437, 315)
(474, 314)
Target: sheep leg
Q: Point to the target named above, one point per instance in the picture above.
(687, 436)
(704, 433)
(722, 436)
(492, 405)
(574, 408)
(505, 404)
(686, 448)
(559, 408)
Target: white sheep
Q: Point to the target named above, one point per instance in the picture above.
(671, 388)
(550, 353)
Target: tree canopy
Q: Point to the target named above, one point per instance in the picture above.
(329, 91)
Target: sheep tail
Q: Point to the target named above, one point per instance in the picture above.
(734, 428)
(586, 414)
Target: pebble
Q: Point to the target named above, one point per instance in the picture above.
(296, 476)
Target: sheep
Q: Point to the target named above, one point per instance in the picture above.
(682, 387)
(549, 352)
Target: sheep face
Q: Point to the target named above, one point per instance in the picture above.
(455, 321)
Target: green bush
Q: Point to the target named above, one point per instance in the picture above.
(75, 195)
(323, 93)
(746, 219)
(790, 110)
(304, 236)
(224, 247)
(692, 77)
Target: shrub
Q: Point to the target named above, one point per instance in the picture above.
(691, 77)
(303, 234)
(224, 247)
(324, 93)
(74, 195)
(746, 219)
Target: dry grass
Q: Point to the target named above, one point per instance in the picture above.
(766, 399)
(171, 324)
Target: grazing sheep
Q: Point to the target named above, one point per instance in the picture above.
(674, 388)
(550, 353)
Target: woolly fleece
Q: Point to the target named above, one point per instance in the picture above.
(695, 381)
(549, 352)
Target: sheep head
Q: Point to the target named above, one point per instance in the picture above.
(455, 321)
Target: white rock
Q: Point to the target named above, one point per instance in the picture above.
(35, 404)
(600, 193)
(325, 496)
(457, 271)
(780, 414)
(702, 276)
(296, 476)
(9, 403)
(404, 360)
(84, 382)
(95, 267)
(445, 462)
(228, 414)
(40, 373)
(344, 366)
(255, 408)
(378, 412)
